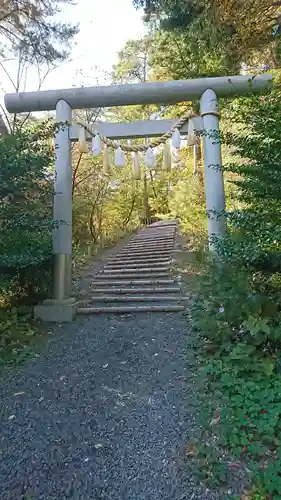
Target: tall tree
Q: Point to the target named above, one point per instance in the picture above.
(29, 26)
(196, 52)
(15, 122)
(134, 66)
(173, 13)
(133, 62)
(245, 31)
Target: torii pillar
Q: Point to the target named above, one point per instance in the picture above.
(213, 174)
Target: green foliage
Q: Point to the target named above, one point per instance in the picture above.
(105, 205)
(25, 210)
(212, 37)
(186, 197)
(242, 367)
(174, 13)
(238, 304)
(17, 335)
(26, 161)
(29, 27)
(255, 237)
(133, 62)
(198, 52)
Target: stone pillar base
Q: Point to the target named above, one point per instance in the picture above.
(56, 311)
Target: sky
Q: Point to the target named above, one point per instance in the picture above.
(105, 26)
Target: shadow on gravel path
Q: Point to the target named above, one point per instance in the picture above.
(102, 414)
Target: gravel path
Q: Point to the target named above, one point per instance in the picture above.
(104, 414)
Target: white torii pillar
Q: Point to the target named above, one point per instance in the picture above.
(213, 174)
(62, 307)
(62, 208)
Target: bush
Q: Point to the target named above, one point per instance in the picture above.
(238, 305)
(255, 240)
(26, 161)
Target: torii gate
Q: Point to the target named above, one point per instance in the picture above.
(62, 307)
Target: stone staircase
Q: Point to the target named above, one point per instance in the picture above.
(138, 278)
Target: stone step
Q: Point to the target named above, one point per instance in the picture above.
(137, 298)
(135, 282)
(132, 275)
(145, 256)
(167, 229)
(152, 237)
(152, 244)
(129, 309)
(136, 264)
(140, 264)
(142, 261)
(145, 253)
(153, 249)
(163, 241)
(171, 234)
(125, 270)
(152, 240)
(161, 224)
(149, 260)
(159, 230)
(123, 291)
(159, 227)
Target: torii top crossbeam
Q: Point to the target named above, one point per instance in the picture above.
(143, 93)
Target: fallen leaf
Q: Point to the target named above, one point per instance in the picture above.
(215, 421)
(210, 347)
(98, 446)
(245, 495)
(191, 452)
(234, 465)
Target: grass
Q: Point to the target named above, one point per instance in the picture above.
(18, 336)
(239, 458)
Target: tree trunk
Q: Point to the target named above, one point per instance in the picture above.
(145, 200)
